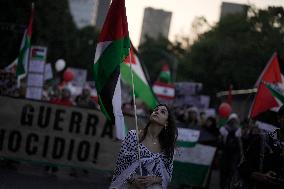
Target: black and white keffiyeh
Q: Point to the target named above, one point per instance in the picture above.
(127, 164)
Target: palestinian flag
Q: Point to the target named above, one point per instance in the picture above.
(23, 58)
(38, 54)
(275, 91)
(112, 49)
(187, 137)
(142, 88)
(192, 165)
(165, 75)
(264, 99)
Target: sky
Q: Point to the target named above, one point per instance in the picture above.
(184, 12)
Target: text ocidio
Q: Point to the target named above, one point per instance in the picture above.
(55, 133)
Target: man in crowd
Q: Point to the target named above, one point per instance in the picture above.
(263, 166)
(231, 148)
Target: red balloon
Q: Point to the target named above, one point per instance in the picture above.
(68, 76)
(224, 109)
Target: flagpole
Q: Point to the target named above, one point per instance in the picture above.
(135, 111)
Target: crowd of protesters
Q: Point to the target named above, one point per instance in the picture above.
(247, 156)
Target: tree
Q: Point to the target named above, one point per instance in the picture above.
(157, 52)
(53, 27)
(235, 50)
(83, 51)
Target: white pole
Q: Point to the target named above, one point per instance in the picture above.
(135, 112)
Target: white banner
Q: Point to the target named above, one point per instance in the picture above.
(42, 132)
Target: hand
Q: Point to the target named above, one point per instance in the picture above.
(137, 184)
(267, 178)
(149, 180)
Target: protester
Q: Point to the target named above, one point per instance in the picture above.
(263, 165)
(156, 143)
(66, 98)
(202, 119)
(191, 118)
(231, 149)
(54, 95)
(209, 132)
(84, 100)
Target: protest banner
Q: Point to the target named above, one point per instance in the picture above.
(46, 133)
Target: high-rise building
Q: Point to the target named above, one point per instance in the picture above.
(102, 12)
(84, 12)
(233, 8)
(156, 22)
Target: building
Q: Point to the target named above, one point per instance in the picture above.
(233, 8)
(84, 12)
(103, 7)
(156, 22)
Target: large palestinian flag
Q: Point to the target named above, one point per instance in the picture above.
(112, 49)
(142, 88)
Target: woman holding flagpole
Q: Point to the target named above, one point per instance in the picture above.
(152, 155)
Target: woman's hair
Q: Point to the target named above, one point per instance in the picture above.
(167, 136)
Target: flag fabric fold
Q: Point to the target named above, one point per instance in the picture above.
(275, 91)
(23, 58)
(112, 49)
(192, 160)
(264, 99)
(142, 88)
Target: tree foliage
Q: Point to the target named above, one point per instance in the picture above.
(236, 50)
(53, 27)
(156, 52)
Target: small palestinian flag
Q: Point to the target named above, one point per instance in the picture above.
(38, 54)
(23, 58)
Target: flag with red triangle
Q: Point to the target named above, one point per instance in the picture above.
(112, 49)
(142, 88)
(264, 99)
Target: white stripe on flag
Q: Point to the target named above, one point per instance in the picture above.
(101, 46)
(265, 126)
(165, 91)
(119, 119)
(200, 154)
(137, 68)
(189, 135)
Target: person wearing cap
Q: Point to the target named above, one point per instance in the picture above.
(263, 166)
(231, 147)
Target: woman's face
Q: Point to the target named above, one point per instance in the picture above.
(160, 115)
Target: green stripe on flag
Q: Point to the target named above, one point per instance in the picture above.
(142, 90)
(275, 92)
(185, 144)
(189, 173)
(24, 52)
(111, 57)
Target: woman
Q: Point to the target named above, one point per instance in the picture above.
(156, 144)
